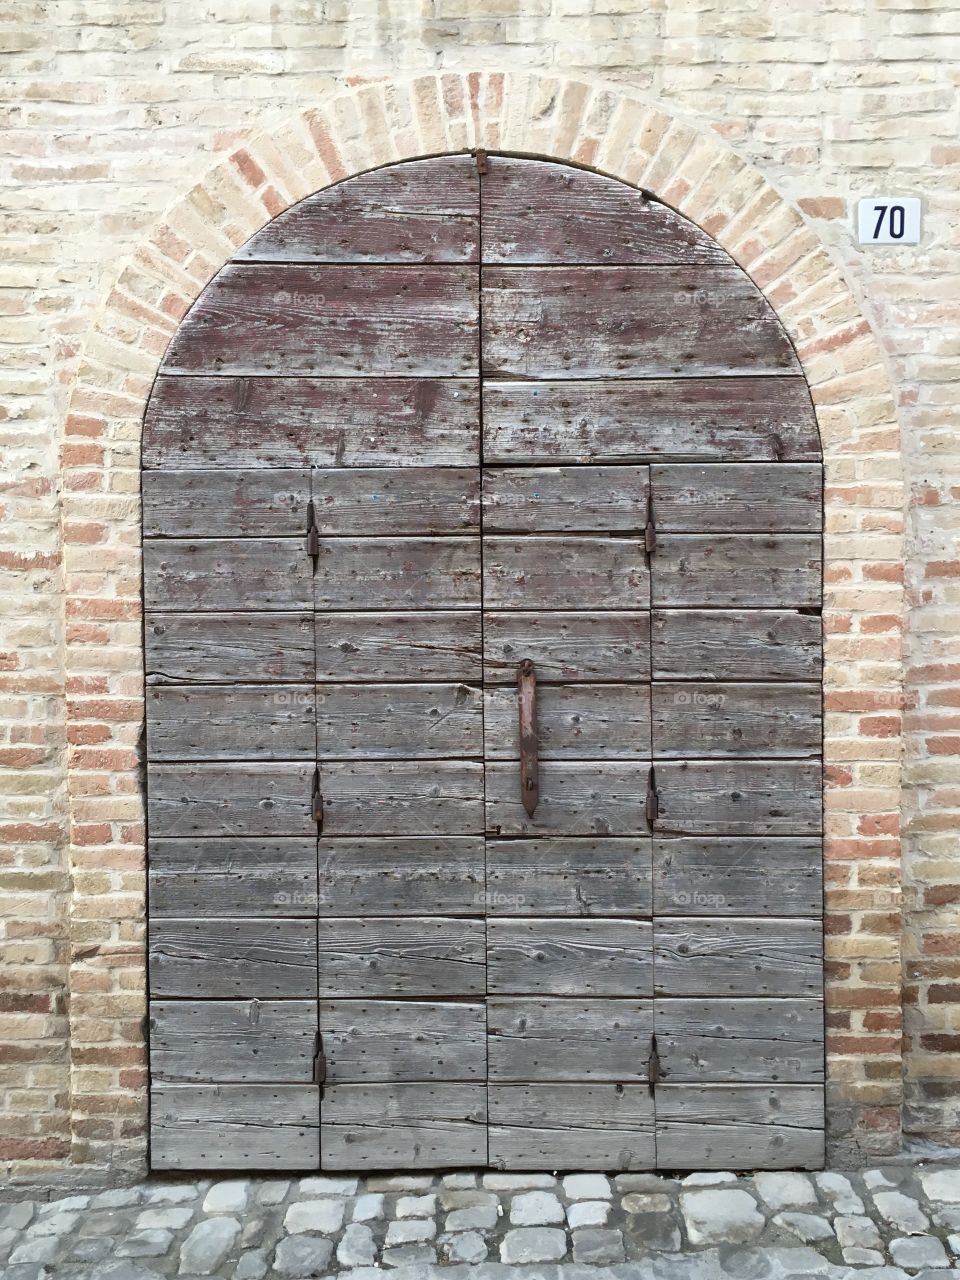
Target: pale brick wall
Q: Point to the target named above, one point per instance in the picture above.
(112, 112)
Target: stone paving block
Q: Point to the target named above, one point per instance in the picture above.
(725, 1215)
(533, 1244)
(206, 1247)
(536, 1208)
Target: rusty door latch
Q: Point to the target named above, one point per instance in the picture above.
(529, 767)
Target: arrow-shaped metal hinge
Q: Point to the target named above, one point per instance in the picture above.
(316, 802)
(319, 1063)
(649, 529)
(652, 805)
(653, 1064)
(313, 535)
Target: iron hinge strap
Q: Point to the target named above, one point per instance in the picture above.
(480, 156)
(650, 529)
(313, 534)
(319, 1063)
(653, 1064)
(652, 806)
(316, 801)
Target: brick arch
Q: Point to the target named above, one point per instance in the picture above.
(601, 127)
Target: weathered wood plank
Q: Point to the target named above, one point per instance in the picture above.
(580, 499)
(214, 574)
(571, 1126)
(720, 718)
(236, 722)
(618, 420)
(618, 322)
(234, 1126)
(758, 571)
(564, 573)
(228, 647)
(743, 957)
(420, 211)
(586, 798)
(568, 877)
(233, 877)
(740, 1126)
(321, 422)
(403, 1126)
(413, 875)
(405, 721)
(417, 956)
(596, 720)
(253, 799)
(740, 1041)
(731, 644)
(402, 797)
(567, 647)
(537, 211)
(397, 573)
(396, 500)
(549, 1040)
(734, 797)
(235, 1041)
(333, 320)
(407, 646)
(738, 876)
(222, 504)
(236, 959)
(755, 497)
(569, 957)
(378, 1041)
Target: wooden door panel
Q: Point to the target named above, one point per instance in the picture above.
(397, 573)
(396, 500)
(431, 957)
(402, 797)
(569, 957)
(232, 722)
(233, 959)
(598, 721)
(755, 497)
(226, 504)
(571, 1126)
(736, 644)
(233, 876)
(401, 876)
(602, 876)
(576, 798)
(205, 575)
(238, 799)
(739, 797)
(403, 1126)
(740, 1126)
(564, 573)
(235, 1126)
(714, 718)
(443, 645)
(567, 647)
(756, 571)
(381, 1041)
(225, 648)
(581, 499)
(233, 1041)
(738, 876)
(740, 1041)
(554, 1040)
(400, 721)
(742, 957)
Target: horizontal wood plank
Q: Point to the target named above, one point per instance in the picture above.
(236, 722)
(234, 1126)
(738, 876)
(417, 956)
(730, 570)
(233, 959)
(235, 1041)
(567, 647)
(380, 1041)
(396, 500)
(402, 797)
(583, 798)
(742, 957)
(403, 1126)
(740, 1126)
(580, 499)
(739, 797)
(401, 875)
(740, 1041)
(228, 647)
(720, 718)
(755, 497)
(569, 957)
(568, 877)
(213, 574)
(595, 720)
(571, 1126)
(397, 573)
(225, 503)
(236, 876)
(243, 799)
(442, 645)
(554, 1040)
(564, 573)
(736, 644)
(405, 721)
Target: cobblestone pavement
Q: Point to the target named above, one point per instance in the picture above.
(887, 1223)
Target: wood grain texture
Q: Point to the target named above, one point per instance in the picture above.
(554, 1040)
(740, 1126)
(397, 573)
(567, 647)
(322, 422)
(734, 797)
(401, 875)
(234, 722)
(569, 877)
(234, 1126)
(569, 957)
(600, 721)
(419, 956)
(755, 497)
(442, 645)
(222, 504)
(243, 799)
(402, 797)
(380, 1041)
(233, 959)
(402, 1126)
(564, 573)
(226, 648)
(571, 1126)
(396, 500)
(233, 1041)
(399, 721)
(735, 419)
(719, 718)
(237, 876)
(580, 499)
(732, 644)
(738, 876)
(538, 211)
(583, 798)
(731, 570)
(618, 322)
(419, 211)
(740, 1041)
(332, 320)
(743, 957)
(212, 574)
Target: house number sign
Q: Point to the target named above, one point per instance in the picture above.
(888, 220)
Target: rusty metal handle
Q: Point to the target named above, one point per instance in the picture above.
(529, 767)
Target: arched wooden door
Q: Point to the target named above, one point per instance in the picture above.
(438, 445)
